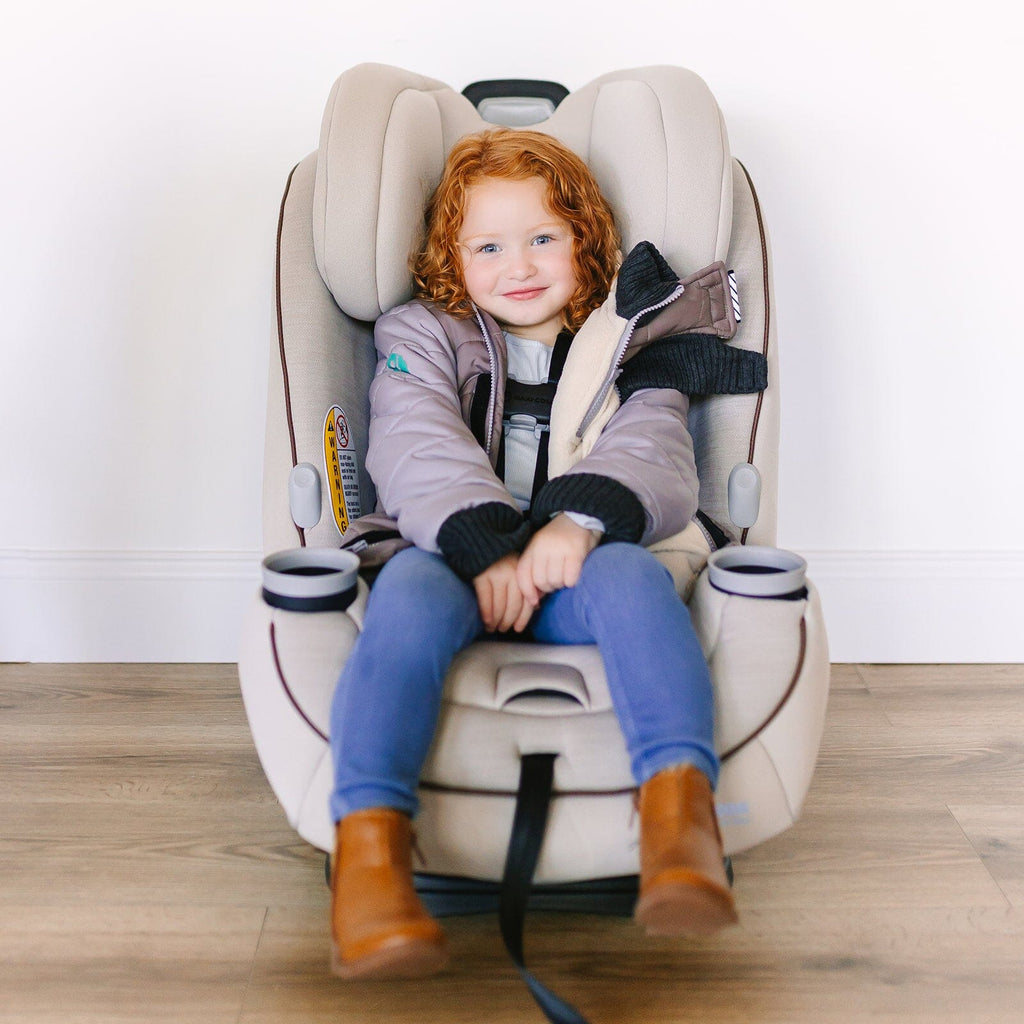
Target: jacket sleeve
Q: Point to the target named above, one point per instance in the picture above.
(640, 477)
(423, 458)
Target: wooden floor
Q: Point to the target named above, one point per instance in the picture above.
(147, 874)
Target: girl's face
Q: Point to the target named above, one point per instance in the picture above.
(517, 257)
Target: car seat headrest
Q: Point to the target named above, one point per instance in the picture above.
(653, 137)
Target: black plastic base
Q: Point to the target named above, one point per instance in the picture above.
(447, 896)
(444, 896)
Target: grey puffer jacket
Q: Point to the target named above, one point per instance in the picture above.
(436, 421)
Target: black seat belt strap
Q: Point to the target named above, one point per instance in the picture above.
(715, 532)
(540, 471)
(536, 782)
(558, 357)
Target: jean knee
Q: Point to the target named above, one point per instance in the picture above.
(418, 592)
(624, 568)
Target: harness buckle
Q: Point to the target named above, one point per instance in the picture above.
(524, 421)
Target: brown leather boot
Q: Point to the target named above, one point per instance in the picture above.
(379, 926)
(683, 886)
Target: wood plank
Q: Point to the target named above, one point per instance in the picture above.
(862, 858)
(997, 835)
(971, 677)
(891, 769)
(852, 713)
(782, 967)
(845, 677)
(143, 963)
(148, 875)
(152, 853)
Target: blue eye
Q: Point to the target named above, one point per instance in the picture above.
(488, 248)
(542, 239)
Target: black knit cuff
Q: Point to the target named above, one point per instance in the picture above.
(473, 539)
(695, 364)
(592, 494)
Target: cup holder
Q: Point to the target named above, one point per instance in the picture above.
(753, 571)
(310, 579)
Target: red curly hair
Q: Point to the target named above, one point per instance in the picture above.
(572, 195)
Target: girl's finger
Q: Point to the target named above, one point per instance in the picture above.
(524, 617)
(485, 599)
(524, 577)
(513, 604)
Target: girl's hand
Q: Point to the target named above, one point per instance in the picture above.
(554, 557)
(503, 605)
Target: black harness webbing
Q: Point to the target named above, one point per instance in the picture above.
(535, 400)
(536, 780)
(715, 532)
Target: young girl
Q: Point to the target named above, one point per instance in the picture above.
(520, 249)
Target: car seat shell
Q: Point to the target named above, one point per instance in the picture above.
(657, 143)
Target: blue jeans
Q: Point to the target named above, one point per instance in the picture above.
(420, 615)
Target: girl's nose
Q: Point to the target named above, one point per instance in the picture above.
(521, 265)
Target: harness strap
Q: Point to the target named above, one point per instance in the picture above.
(715, 532)
(535, 400)
(536, 782)
(540, 473)
(558, 357)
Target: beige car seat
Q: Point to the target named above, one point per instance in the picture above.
(351, 212)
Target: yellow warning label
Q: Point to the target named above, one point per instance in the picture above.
(342, 470)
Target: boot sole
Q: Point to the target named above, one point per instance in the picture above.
(416, 958)
(685, 909)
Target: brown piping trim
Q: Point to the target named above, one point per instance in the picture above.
(437, 787)
(782, 703)
(287, 688)
(280, 334)
(767, 317)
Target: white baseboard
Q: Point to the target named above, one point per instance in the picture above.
(124, 606)
(921, 606)
(187, 606)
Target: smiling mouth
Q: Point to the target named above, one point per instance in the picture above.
(524, 294)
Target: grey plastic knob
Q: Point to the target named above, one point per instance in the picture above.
(744, 495)
(304, 495)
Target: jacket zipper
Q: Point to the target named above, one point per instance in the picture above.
(492, 397)
(595, 406)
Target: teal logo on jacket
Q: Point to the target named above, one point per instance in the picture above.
(397, 363)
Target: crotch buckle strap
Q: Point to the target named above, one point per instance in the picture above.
(536, 783)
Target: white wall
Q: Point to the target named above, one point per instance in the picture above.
(145, 149)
